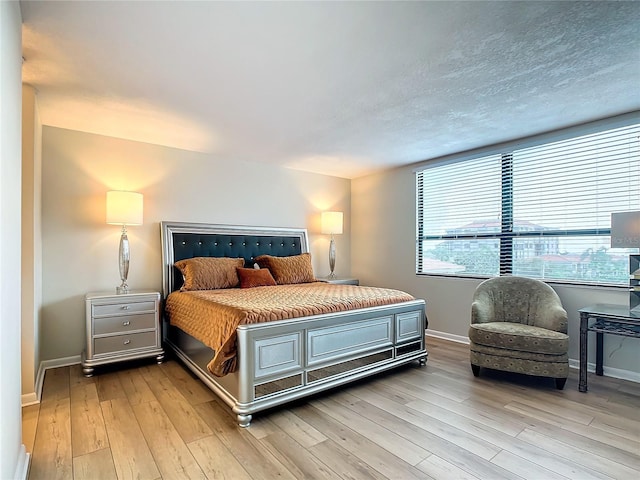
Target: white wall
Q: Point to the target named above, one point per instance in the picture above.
(80, 252)
(31, 241)
(383, 234)
(13, 458)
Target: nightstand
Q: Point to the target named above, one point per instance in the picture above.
(340, 280)
(121, 327)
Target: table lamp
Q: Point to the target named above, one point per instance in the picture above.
(124, 208)
(332, 225)
(625, 233)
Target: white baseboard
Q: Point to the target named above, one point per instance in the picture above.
(32, 398)
(59, 362)
(573, 363)
(448, 336)
(608, 371)
(22, 468)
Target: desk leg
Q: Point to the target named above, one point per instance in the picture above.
(599, 345)
(584, 321)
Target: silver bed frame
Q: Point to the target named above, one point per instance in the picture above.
(285, 360)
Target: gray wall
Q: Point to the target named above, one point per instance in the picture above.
(80, 251)
(31, 241)
(383, 253)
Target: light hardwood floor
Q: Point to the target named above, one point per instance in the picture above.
(158, 421)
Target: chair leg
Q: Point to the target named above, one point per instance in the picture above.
(560, 383)
(476, 370)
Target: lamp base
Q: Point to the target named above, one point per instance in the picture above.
(123, 262)
(332, 257)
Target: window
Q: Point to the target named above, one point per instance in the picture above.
(542, 210)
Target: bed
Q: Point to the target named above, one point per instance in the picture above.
(283, 360)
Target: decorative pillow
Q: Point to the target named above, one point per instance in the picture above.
(285, 270)
(255, 277)
(209, 273)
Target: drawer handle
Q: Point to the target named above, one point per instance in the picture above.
(127, 323)
(127, 342)
(125, 307)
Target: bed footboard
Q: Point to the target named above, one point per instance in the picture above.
(290, 359)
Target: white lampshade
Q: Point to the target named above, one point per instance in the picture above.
(124, 208)
(331, 222)
(625, 230)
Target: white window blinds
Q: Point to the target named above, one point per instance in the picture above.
(543, 211)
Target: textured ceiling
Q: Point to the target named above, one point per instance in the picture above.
(340, 88)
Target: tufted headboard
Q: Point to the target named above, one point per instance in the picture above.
(186, 240)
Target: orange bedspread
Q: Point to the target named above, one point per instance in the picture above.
(212, 316)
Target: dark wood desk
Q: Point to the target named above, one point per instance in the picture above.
(605, 318)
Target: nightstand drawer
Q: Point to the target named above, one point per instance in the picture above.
(124, 323)
(124, 342)
(123, 308)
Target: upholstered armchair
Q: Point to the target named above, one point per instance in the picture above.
(518, 325)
